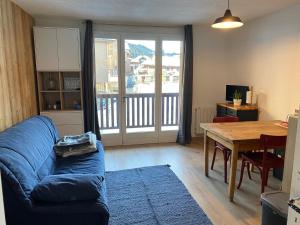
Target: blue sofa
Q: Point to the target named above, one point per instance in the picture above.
(26, 157)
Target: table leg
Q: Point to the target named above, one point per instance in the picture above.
(206, 151)
(234, 159)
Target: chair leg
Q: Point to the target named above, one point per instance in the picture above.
(213, 160)
(225, 165)
(267, 176)
(251, 167)
(248, 170)
(242, 174)
(265, 173)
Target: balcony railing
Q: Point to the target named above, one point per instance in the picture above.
(108, 111)
(170, 109)
(140, 110)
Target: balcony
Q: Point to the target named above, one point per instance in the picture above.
(139, 111)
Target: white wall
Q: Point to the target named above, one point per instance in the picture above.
(210, 67)
(265, 54)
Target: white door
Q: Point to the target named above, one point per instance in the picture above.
(108, 88)
(139, 91)
(137, 82)
(68, 40)
(45, 42)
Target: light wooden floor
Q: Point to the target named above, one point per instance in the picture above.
(188, 164)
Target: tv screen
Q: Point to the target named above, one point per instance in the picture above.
(230, 89)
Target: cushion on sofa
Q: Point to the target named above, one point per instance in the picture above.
(92, 163)
(68, 187)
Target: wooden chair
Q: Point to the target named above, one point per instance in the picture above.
(264, 160)
(226, 152)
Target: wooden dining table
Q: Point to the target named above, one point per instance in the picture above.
(238, 137)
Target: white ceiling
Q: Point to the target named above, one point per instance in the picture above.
(156, 12)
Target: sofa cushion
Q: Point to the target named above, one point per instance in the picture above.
(26, 153)
(92, 163)
(68, 187)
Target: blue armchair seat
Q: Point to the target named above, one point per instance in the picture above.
(26, 158)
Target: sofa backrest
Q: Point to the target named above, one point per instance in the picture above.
(26, 154)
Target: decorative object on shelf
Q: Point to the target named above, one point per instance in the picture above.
(51, 83)
(237, 98)
(49, 106)
(58, 105)
(228, 21)
(76, 105)
(55, 106)
(71, 83)
(249, 96)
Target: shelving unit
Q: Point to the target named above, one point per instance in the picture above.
(60, 91)
(58, 63)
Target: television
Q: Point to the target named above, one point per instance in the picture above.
(230, 89)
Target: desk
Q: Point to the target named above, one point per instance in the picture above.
(238, 137)
(243, 112)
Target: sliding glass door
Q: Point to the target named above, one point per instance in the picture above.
(171, 66)
(106, 57)
(137, 82)
(139, 91)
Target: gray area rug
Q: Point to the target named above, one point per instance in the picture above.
(151, 196)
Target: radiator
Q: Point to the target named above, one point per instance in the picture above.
(203, 115)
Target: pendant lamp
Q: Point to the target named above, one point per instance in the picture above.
(227, 21)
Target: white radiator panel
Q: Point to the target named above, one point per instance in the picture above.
(203, 115)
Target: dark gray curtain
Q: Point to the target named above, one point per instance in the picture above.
(91, 122)
(184, 134)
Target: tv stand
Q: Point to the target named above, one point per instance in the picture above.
(244, 112)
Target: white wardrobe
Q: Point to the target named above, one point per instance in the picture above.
(58, 63)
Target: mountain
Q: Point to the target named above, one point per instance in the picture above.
(136, 50)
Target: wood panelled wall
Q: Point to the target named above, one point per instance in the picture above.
(17, 73)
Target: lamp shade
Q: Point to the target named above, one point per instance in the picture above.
(227, 21)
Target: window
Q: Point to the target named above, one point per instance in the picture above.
(171, 71)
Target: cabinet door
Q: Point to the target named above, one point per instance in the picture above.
(221, 111)
(293, 217)
(46, 54)
(68, 49)
(295, 185)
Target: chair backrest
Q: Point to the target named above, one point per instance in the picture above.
(225, 119)
(272, 142)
